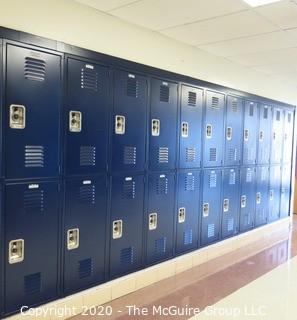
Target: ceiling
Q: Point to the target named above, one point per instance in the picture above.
(262, 38)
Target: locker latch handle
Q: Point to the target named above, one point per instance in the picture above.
(271, 194)
(75, 121)
(258, 198)
(205, 210)
(261, 135)
(208, 131)
(246, 134)
(153, 221)
(16, 251)
(274, 135)
(185, 129)
(17, 116)
(226, 205)
(117, 229)
(181, 215)
(72, 239)
(229, 133)
(243, 201)
(155, 127)
(120, 124)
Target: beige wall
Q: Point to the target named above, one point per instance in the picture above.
(71, 22)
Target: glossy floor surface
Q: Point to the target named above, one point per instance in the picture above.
(262, 286)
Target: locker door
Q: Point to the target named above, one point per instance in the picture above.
(262, 196)
(230, 202)
(264, 136)
(33, 93)
(211, 206)
(277, 136)
(86, 117)
(247, 198)
(160, 217)
(163, 125)
(274, 193)
(233, 131)
(187, 215)
(250, 133)
(288, 135)
(126, 223)
(84, 232)
(31, 242)
(285, 191)
(190, 127)
(214, 129)
(1, 250)
(129, 122)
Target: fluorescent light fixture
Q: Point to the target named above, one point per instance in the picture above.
(257, 3)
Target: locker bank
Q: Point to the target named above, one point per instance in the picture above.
(113, 169)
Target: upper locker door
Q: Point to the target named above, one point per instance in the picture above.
(211, 206)
(86, 118)
(190, 127)
(250, 133)
(262, 196)
(274, 193)
(247, 198)
(288, 135)
(285, 191)
(233, 131)
(163, 125)
(160, 217)
(277, 136)
(129, 122)
(187, 221)
(264, 136)
(214, 129)
(127, 201)
(33, 94)
(230, 202)
(84, 232)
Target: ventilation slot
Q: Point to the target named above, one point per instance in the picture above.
(162, 186)
(249, 176)
(289, 117)
(87, 194)
(34, 156)
(188, 237)
(132, 88)
(277, 115)
(265, 114)
(232, 154)
(234, 105)
(251, 110)
(32, 283)
(87, 156)
(160, 246)
(33, 201)
(213, 154)
(129, 155)
(35, 69)
(190, 183)
(164, 93)
(213, 180)
(215, 103)
(85, 268)
(163, 155)
(128, 191)
(210, 230)
(190, 154)
(127, 256)
(192, 99)
(89, 79)
(230, 225)
(232, 177)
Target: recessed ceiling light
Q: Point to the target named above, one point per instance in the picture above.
(257, 3)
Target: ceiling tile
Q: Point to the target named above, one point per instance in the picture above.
(277, 69)
(161, 14)
(260, 43)
(105, 5)
(232, 26)
(283, 13)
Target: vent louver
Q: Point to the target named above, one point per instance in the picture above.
(35, 69)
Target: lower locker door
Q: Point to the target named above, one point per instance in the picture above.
(84, 232)
(274, 193)
(31, 241)
(262, 196)
(285, 191)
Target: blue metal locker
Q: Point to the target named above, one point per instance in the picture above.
(160, 217)
(163, 125)
(1, 250)
(230, 202)
(33, 93)
(86, 117)
(247, 198)
(285, 191)
(32, 211)
(129, 122)
(264, 136)
(127, 207)
(187, 213)
(288, 135)
(84, 232)
(214, 129)
(250, 133)
(262, 196)
(211, 206)
(276, 136)
(233, 131)
(274, 193)
(190, 127)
